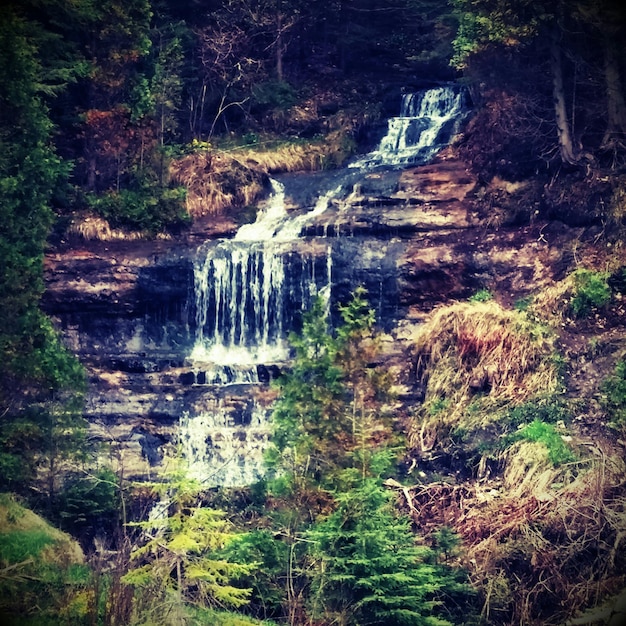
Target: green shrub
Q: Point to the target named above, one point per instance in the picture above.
(368, 568)
(88, 504)
(482, 295)
(150, 209)
(271, 556)
(591, 290)
(542, 432)
(550, 410)
(522, 304)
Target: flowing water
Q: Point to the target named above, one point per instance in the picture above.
(250, 291)
(427, 122)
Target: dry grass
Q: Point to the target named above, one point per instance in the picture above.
(556, 546)
(95, 228)
(528, 471)
(216, 182)
(552, 303)
(541, 545)
(470, 350)
(287, 158)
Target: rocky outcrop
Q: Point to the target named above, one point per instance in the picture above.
(412, 238)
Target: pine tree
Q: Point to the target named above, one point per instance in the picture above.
(178, 561)
(330, 401)
(367, 566)
(41, 426)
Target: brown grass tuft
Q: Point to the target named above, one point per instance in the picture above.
(556, 547)
(216, 182)
(95, 228)
(287, 158)
(528, 471)
(471, 350)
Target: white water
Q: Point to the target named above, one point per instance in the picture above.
(250, 290)
(426, 123)
(269, 220)
(220, 451)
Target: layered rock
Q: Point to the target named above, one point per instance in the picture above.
(412, 238)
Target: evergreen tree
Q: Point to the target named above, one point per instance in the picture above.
(308, 416)
(30, 173)
(40, 381)
(178, 560)
(330, 401)
(367, 566)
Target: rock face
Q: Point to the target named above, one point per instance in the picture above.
(411, 238)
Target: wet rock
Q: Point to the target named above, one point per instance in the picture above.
(411, 238)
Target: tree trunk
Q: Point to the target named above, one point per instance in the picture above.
(566, 145)
(279, 47)
(616, 105)
(91, 172)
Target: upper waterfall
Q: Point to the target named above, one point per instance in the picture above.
(427, 122)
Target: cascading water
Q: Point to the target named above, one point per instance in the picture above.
(427, 122)
(249, 293)
(225, 451)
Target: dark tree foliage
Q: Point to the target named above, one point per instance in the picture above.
(549, 76)
(29, 173)
(40, 425)
(368, 568)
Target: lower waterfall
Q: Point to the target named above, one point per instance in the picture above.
(222, 451)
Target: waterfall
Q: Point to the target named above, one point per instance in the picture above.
(239, 316)
(223, 451)
(427, 122)
(250, 292)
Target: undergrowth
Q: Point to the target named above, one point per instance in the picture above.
(582, 293)
(546, 434)
(476, 360)
(148, 210)
(42, 573)
(542, 523)
(614, 398)
(591, 291)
